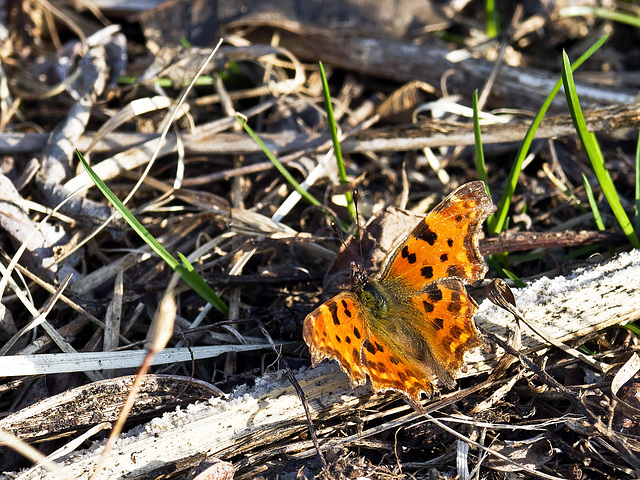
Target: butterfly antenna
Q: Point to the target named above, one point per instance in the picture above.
(338, 233)
(355, 203)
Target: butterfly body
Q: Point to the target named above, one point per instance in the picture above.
(410, 323)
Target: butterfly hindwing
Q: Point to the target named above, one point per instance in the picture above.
(447, 322)
(390, 369)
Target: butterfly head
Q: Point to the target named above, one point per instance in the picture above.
(358, 276)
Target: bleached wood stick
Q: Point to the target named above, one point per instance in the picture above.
(254, 419)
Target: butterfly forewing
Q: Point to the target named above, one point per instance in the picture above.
(445, 243)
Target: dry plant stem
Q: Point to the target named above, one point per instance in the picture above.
(397, 60)
(543, 375)
(498, 295)
(299, 392)
(169, 120)
(31, 453)
(122, 416)
(486, 89)
(400, 138)
(36, 239)
(490, 451)
(159, 336)
(41, 319)
(59, 150)
(51, 289)
(518, 241)
(629, 456)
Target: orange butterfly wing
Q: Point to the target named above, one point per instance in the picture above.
(413, 321)
(445, 243)
(336, 330)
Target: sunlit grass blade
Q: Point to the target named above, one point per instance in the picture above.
(492, 18)
(480, 165)
(592, 201)
(592, 149)
(337, 150)
(278, 164)
(186, 271)
(285, 173)
(615, 15)
(514, 174)
(516, 281)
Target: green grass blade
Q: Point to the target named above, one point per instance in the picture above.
(187, 273)
(337, 150)
(278, 164)
(514, 174)
(516, 281)
(616, 16)
(480, 165)
(592, 201)
(287, 176)
(592, 149)
(632, 327)
(492, 19)
(477, 135)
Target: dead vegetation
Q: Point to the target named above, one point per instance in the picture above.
(80, 289)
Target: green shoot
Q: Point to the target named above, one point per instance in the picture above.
(186, 271)
(342, 173)
(505, 202)
(516, 281)
(594, 206)
(278, 164)
(592, 149)
(492, 19)
(477, 135)
(285, 173)
(616, 16)
(632, 327)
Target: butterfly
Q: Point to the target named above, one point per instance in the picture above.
(412, 322)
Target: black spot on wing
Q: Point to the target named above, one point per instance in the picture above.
(428, 307)
(456, 271)
(424, 233)
(439, 322)
(427, 272)
(435, 295)
(456, 331)
(369, 346)
(333, 309)
(455, 306)
(356, 332)
(347, 312)
(411, 257)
